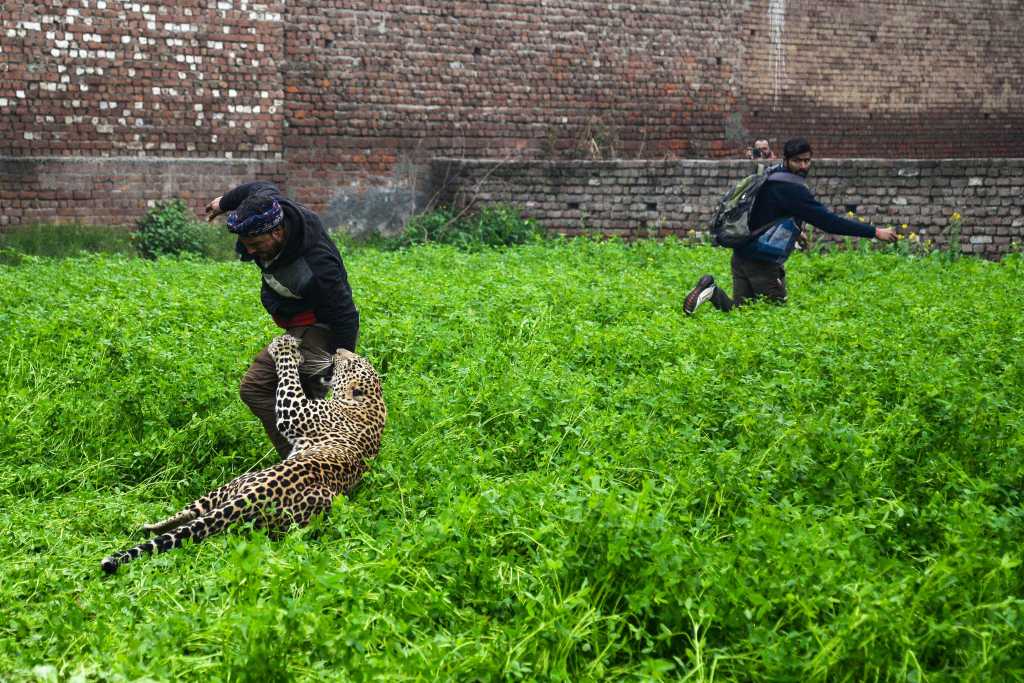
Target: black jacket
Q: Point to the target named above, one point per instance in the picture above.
(789, 200)
(308, 274)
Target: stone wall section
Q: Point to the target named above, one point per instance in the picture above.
(375, 83)
(375, 88)
(635, 199)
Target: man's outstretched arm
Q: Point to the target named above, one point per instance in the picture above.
(803, 206)
(232, 199)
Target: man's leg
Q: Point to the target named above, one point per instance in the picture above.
(257, 390)
(259, 385)
(707, 290)
(750, 278)
(742, 287)
(318, 345)
(759, 279)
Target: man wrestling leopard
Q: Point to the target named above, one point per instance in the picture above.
(304, 288)
(331, 442)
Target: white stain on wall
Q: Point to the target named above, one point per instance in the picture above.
(777, 25)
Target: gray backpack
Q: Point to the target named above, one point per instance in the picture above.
(730, 226)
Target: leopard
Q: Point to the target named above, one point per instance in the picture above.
(333, 441)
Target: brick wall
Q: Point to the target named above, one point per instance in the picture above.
(110, 77)
(657, 198)
(886, 78)
(115, 190)
(355, 96)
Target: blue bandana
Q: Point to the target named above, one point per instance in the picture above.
(257, 223)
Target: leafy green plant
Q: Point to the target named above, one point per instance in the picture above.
(491, 226)
(63, 240)
(167, 229)
(11, 257)
(953, 230)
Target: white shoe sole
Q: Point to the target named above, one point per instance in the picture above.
(702, 297)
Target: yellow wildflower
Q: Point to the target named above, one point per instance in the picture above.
(955, 216)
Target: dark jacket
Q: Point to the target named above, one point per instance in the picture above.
(306, 282)
(790, 200)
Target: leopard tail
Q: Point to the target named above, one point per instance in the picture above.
(196, 530)
(190, 513)
(200, 506)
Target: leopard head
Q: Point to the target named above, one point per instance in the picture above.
(354, 378)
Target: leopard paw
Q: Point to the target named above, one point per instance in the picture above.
(285, 346)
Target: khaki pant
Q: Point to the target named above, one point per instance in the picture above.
(259, 385)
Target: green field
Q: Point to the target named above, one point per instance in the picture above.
(576, 481)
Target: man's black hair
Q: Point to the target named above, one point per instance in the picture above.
(795, 147)
(254, 204)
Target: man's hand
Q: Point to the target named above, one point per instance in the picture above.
(213, 209)
(885, 234)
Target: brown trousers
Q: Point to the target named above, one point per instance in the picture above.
(259, 385)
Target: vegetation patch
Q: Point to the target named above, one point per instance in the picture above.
(170, 228)
(61, 240)
(491, 226)
(576, 481)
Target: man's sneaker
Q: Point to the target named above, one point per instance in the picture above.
(699, 294)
